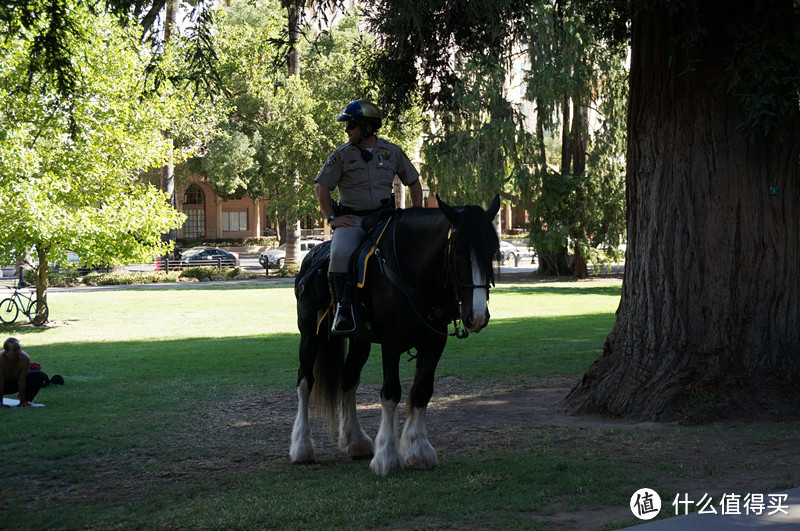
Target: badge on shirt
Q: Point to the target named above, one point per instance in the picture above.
(331, 160)
(386, 155)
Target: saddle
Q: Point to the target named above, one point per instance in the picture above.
(311, 283)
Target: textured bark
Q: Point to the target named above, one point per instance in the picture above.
(708, 324)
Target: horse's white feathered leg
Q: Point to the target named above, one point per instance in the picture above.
(352, 438)
(302, 449)
(414, 445)
(387, 458)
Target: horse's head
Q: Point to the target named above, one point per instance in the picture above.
(473, 245)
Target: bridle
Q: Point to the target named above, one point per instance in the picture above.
(459, 332)
(415, 299)
(459, 285)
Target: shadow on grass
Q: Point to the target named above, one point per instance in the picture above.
(536, 346)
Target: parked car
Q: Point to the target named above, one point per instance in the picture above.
(512, 254)
(202, 256)
(274, 258)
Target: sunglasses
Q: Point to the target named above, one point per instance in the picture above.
(351, 125)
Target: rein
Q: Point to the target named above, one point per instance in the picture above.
(458, 330)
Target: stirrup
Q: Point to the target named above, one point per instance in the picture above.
(343, 324)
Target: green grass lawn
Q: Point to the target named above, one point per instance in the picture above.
(178, 403)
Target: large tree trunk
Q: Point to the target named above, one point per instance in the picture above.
(580, 122)
(168, 171)
(293, 233)
(709, 320)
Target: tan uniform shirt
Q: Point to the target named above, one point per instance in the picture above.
(362, 185)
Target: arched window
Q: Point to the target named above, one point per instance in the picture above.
(194, 196)
(194, 206)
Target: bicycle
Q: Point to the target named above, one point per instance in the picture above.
(31, 306)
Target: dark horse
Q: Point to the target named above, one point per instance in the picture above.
(429, 267)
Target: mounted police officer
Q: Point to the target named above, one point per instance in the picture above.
(363, 170)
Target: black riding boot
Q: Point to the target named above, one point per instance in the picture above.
(344, 321)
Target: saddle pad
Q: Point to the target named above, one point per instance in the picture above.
(366, 250)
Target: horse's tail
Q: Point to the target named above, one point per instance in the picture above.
(326, 394)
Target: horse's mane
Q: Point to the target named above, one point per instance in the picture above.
(476, 233)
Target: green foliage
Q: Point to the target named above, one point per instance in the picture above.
(281, 127)
(421, 39)
(51, 30)
(60, 278)
(476, 151)
(496, 143)
(287, 271)
(575, 204)
(135, 277)
(68, 167)
(211, 273)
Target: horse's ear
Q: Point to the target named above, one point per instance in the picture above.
(491, 212)
(448, 211)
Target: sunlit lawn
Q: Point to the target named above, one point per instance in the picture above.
(146, 367)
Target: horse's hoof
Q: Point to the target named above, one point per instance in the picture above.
(420, 465)
(364, 449)
(386, 464)
(302, 454)
(419, 454)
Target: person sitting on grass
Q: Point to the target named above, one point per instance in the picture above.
(15, 375)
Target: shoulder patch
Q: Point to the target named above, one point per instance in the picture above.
(331, 160)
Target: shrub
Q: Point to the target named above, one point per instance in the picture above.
(288, 271)
(212, 273)
(233, 272)
(126, 278)
(60, 279)
(200, 273)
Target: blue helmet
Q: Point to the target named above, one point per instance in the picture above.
(361, 111)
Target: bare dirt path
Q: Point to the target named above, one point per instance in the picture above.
(727, 456)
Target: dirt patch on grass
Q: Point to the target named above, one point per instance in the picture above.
(467, 420)
(464, 418)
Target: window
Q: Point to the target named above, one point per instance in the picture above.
(234, 221)
(195, 224)
(194, 195)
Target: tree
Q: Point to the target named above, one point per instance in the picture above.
(68, 169)
(576, 197)
(479, 150)
(256, 152)
(482, 140)
(53, 33)
(708, 321)
(279, 126)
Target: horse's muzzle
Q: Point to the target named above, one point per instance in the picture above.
(475, 324)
